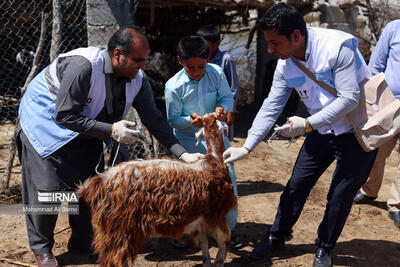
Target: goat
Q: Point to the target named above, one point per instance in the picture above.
(138, 200)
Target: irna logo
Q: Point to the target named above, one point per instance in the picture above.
(58, 197)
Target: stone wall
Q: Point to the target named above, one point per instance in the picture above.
(353, 17)
(334, 16)
(344, 15)
(104, 17)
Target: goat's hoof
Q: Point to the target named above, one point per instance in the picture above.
(207, 264)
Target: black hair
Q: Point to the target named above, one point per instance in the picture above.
(284, 18)
(210, 33)
(192, 46)
(123, 39)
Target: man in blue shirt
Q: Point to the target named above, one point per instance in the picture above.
(385, 58)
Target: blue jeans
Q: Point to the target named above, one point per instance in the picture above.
(231, 217)
(352, 170)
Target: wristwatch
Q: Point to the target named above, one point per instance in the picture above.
(307, 126)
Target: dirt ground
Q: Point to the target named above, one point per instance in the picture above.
(369, 237)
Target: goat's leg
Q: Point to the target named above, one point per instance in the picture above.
(204, 248)
(223, 240)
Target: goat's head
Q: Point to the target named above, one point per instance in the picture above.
(213, 131)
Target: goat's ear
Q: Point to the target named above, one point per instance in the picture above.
(198, 135)
(223, 127)
(226, 129)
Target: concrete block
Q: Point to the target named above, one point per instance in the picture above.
(99, 36)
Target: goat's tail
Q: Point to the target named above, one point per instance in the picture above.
(91, 190)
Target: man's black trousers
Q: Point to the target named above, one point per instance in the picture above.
(353, 166)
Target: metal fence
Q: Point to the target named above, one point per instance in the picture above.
(27, 45)
(24, 25)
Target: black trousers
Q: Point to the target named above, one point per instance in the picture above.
(62, 170)
(353, 166)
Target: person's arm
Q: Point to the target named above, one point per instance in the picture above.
(269, 111)
(348, 90)
(151, 118)
(232, 78)
(265, 119)
(74, 74)
(224, 93)
(380, 54)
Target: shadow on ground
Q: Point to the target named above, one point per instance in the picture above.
(75, 259)
(378, 204)
(357, 252)
(162, 250)
(246, 188)
(345, 253)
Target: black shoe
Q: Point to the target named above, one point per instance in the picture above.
(322, 259)
(360, 198)
(265, 249)
(395, 216)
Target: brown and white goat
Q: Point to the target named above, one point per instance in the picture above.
(138, 200)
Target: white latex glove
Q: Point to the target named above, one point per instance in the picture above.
(235, 153)
(191, 157)
(294, 127)
(121, 133)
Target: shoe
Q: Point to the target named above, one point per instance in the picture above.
(235, 241)
(265, 249)
(360, 198)
(46, 260)
(322, 259)
(395, 216)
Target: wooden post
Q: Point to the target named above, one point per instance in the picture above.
(56, 30)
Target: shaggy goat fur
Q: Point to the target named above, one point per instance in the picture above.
(138, 200)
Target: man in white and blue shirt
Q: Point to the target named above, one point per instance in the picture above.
(333, 57)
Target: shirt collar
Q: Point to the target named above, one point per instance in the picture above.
(185, 77)
(308, 42)
(308, 46)
(108, 67)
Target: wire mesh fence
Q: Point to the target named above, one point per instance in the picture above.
(32, 34)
